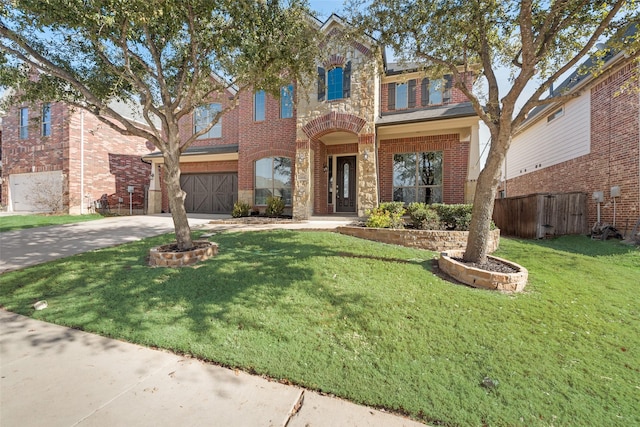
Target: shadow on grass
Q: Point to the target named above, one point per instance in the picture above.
(114, 293)
(582, 245)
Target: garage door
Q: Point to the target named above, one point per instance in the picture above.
(210, 193)
(36, 192)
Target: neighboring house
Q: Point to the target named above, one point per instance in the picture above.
(342, 143)
(56, 158)
(588, 144)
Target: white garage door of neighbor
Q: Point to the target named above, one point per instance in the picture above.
(35, 192)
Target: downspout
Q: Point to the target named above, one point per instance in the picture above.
(82, 201)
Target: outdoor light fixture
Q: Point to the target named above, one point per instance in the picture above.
(366, 154)
(324, 167)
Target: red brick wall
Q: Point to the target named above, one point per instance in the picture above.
(454, 165)
(614, 158)
(111, 161)
(456, 95)
(36, 153)
(272, 137)
(230, 131)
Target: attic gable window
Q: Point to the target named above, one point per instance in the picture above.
(558, 113)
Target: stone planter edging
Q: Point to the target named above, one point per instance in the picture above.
(509, 282)
(432, 240)
(159, 257)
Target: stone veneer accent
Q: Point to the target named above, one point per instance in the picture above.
(509, 282)
(432, 240)
(159, 257)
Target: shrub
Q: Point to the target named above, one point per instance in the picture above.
(382, 217)
(423, 217)
(275, 206)
(240, 209)
(454, 217)
(393, 207)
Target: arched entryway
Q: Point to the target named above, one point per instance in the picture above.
(341, 166)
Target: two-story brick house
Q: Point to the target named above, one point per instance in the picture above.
(350, 138)
(59, 158)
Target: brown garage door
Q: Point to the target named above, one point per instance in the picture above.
(210, 193)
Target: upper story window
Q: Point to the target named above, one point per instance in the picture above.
(436, 91)
(259, 106)
(286, 102)
(46, 119)
(24, 123)
(203, 116)
(334, 83)
(402, 96)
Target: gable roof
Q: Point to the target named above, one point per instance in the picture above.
(582, 75)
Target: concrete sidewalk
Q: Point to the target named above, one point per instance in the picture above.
(56, 376)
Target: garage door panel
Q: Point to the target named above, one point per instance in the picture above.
(36, 192)
(210, 193)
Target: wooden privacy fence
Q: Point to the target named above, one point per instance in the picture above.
(535, 216)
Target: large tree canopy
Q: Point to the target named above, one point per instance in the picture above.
(162, 57)
(538, 40)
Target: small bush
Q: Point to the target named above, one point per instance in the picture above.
(381, 217)
(423, 217)
(275, 206)
(454, 217)
(393, 207)
(240, 209)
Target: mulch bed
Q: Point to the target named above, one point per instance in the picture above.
(490, 265)
(173, 247)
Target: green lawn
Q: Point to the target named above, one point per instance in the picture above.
(371, 322)
(19, 222)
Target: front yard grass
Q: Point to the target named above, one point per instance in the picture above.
(371, 322)
(19, 222)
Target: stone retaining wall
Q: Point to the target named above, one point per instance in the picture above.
(160, 257)
(484, 279)
(432, 240)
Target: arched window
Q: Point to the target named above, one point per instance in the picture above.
(272, 178)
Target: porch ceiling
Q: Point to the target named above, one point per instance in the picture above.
(336, 138)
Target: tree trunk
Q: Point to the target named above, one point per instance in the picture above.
(486, 189)
(176, 201)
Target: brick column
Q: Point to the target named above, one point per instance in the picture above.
(302, 191)
(367, 177)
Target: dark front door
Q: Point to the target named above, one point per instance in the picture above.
(210, 193)
(346, 184)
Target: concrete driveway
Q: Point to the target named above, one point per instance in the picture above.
(24, 248)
